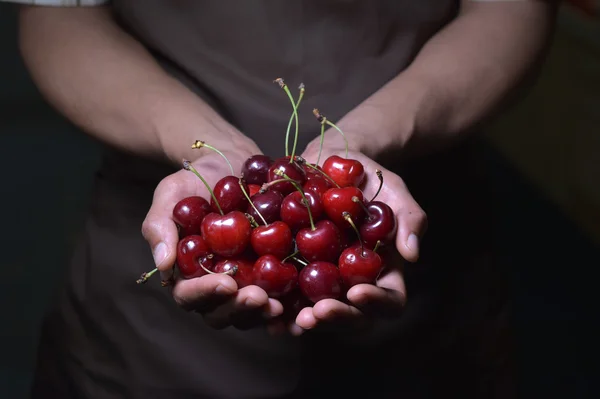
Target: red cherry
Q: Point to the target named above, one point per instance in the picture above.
(317, 184)
(345, 172)
(274, 239)
(294, 212)
(359, 266)
(253, 189)
(191, 252)
(188, 214)
(256, 169)
(379, 224)
(229, 195)
(268, 204)
(292, 170)
(243, 276)
(277, 278)
(320, 280)
(227, 235)
(336, 201)
(321, 244)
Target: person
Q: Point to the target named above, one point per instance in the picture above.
(408, 82)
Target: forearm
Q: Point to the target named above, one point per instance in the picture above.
(105, 82)
(460, 77)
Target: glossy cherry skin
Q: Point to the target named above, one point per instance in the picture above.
(294, 212)
(274, 239)
(188, 214)
(320, 280)
(227, 235)
(275, 277)
(379, 224)
(336, 201)
(243, 276)
(191, 251)
(321, 244)
(358, 266)
(317, 184)
(253, 189)
(229, 194)
(345, 172)
(292, 170)
(268, 204)
(256, 169)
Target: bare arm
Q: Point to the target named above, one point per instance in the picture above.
(460, 77)
(108, 84)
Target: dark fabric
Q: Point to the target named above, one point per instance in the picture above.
(109, 338)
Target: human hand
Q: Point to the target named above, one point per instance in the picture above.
(388, 296)
(215, 296)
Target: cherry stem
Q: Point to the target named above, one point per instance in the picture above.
(348, 218)
(362, 205)
(199, 144)
(278, 172)
(377, 245)
(287, 134)
(187, 165)
(287, 91)
(321, 143)
(323, 173)
(266, 186)
(145, 276)
(229, 272)
(303, 263)
(324, 121)
(292, 255)
(251, 203)
(380, 177)
(251, 220)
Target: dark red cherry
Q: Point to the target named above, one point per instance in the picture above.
(379, 224)
(277, 278)
(256, 169)
(292, 170)
(188, 214)
(317, 184)
(274, 239)
(358, 266)
(320, 280)
(243, 276)
(229, 195)
(294, 212)
(345, 172)
(227, 235)
(191, 252)
(336, 201)
(321, 244)
(268, 204)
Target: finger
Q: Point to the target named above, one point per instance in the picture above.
(306, 319)
(204, 293)
(247, 309)
(331, 315)
(377, 301)
(295, 329)
(412, 224)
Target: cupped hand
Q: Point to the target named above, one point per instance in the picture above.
(215, 296)
(365, 302)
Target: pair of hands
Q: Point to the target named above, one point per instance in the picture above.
(217, 297)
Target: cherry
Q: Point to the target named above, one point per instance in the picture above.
(256, 169)
(274, 239)
(268, 203)
(192, 252)
(275, 276)
(291, 169)
(295, 213)
(320, 280)
(345, 172)
(317, 184)
(336, 201)
(188, 214)
(359, 265)
(253, 189)
(227, 235)
(319, 243)
(240, 267)
(379, 224)
(229, 195)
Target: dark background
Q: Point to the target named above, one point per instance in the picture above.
(545, 154)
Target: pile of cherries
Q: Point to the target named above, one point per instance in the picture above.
(300, 231)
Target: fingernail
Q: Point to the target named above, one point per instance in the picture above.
(251, 303)
(222, 290)
(413, 242)
(159, 253)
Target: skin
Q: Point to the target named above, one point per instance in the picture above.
(115, 91)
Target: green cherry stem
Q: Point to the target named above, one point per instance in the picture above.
(187, 165)
(292, 255)
(287, 134)
(145, 276)
(377, 245)
(348, 218)
(199, 144)
(323, 173)
(230, 272)
(380, 177)
(303, 263)
(321, 143)
(251, 203)
(251, 220)
(357, 200)
(324, 121)
(287, 91)
(278, 172)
